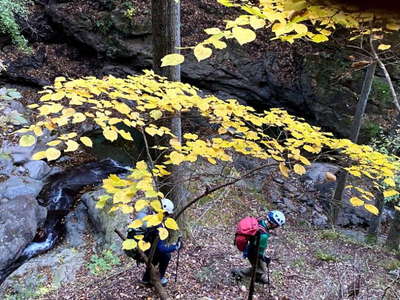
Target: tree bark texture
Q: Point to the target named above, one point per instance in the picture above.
(166, 36)
(393, 239)
(355, 130)
(166, 40)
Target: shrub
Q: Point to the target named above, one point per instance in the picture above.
(9, 9)
(104, 262)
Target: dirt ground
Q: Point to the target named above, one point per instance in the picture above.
(306, 263)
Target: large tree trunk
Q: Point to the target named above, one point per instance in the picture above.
(393, 239)
(355, 131)
(167, 40)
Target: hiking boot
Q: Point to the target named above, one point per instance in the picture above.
(262, 279)
(145, 282)
(163, 281)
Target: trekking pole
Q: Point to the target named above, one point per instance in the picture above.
(269, 283)
(254, 271)
(177, 260)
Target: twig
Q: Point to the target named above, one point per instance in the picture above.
(209, 191)
(387, 76)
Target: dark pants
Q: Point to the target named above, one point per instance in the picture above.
(162, 260)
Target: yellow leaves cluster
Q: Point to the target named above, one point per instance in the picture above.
(288, 19)
(139, 101)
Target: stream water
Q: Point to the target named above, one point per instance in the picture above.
(58, 196)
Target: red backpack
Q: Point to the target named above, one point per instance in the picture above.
(245, 229)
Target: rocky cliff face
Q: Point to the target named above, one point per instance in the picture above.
(78, 37)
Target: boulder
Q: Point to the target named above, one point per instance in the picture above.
(104, 223)
(17, 186)
(37, 169)
(20, 218)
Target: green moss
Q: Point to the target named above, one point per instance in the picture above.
(391, 264)
(380, 92)
(330, 235)
(325, 256)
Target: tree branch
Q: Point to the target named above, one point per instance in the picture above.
(209, 191)
(387, 76)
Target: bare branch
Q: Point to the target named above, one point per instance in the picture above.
(209, 191)
(387, 76)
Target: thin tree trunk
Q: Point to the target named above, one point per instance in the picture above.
(355, 131)
(393, 239)
(375, 223)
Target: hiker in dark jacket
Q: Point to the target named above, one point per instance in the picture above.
(162, 254)
(274, 219)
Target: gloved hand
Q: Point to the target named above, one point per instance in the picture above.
(179, 244)
(266, 259)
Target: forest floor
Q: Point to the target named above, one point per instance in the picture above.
(307, 263)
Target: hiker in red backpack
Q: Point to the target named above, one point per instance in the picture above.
(245, 240)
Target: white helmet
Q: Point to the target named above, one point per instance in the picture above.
(276, 217)
(167, 205)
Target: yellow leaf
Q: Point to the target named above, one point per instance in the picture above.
(256, 22)
(52, 154)
(218, 44)
(68, 112)
(125, 135)
(163, 233)
(393, 26)
(129, 244)
(397, 208)
(136, 224)
(71, 146)
(37, 130)
(299, 169)
(110, 134)
(78, 117)
(53, 143)
(390, 193)
(139, 237)
(156, 114)
(284, 170)
(140, 204)
(201, 52)
(294, 5)
(151, 130)
(190, 136)
(126, 209)
(153, 220)
(383, 47)
(172, 60)
(122, 108)
(176, 157)
(319, 38)
(300, 28)
(243, 35)
(39, 155)
(156, 205)
(32, 106)
(102, 200)
(372, 209)
(171, 224)
(144, 245)
(212, 31)
(46, 97)
(86, 141)
(27, 140)
(356, 201)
